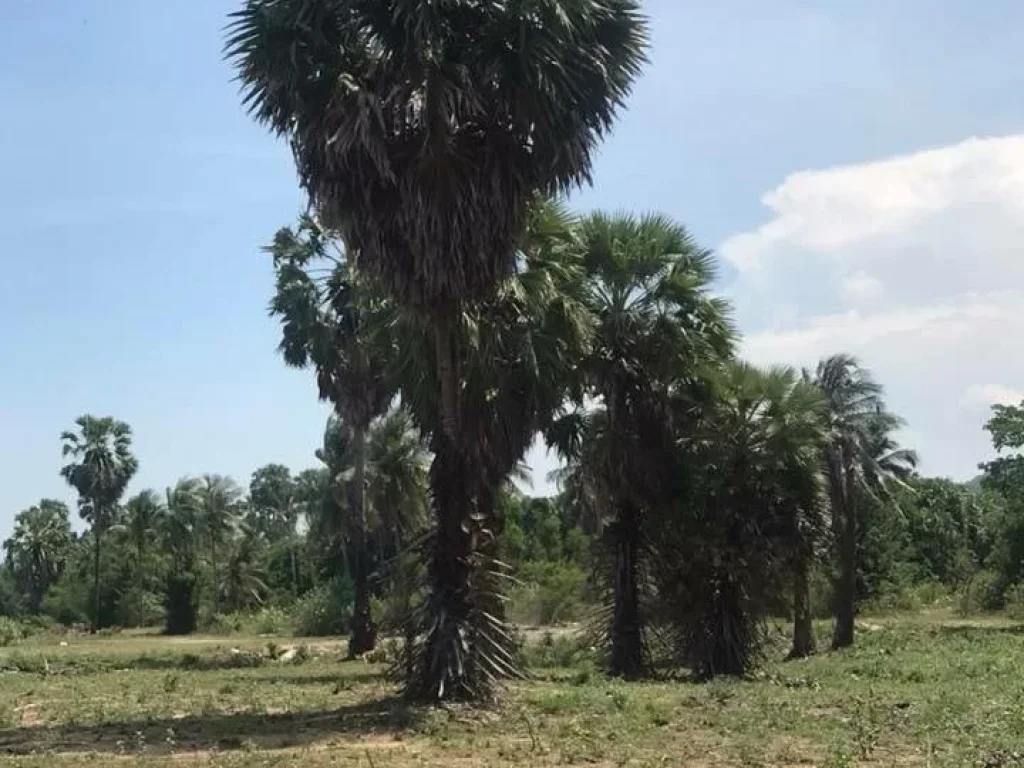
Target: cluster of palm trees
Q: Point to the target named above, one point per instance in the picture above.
(206, 534)
(434, 271)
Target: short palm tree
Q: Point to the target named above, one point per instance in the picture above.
(861, 458)
(220, 500)
(422, 133)
(38, 548)
(101, 466)
(751, 469)
(657, 328)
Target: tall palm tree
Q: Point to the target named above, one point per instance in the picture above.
(38, 548)
(657, 329)
(144, 513)
(327, 314)
(101, 466)
(861, 458)
(422, 133)
(220, 501)
(519, 355)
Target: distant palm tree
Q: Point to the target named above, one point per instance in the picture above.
(423, 132)
(179, 536)
(38, 548)
(144, 513)
(243, 584)
(101, 466)
(220, 501)
(861, 458)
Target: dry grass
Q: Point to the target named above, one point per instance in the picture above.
(915, 692)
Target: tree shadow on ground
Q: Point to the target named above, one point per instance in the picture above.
(240, 730)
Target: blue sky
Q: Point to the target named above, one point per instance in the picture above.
(135, 195)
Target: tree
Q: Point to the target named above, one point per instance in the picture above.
(243, 585)
(144, 513)
(100, 469)
(220, 501)
(274, 509)
(657, 329)
(519, 357)
(422, 133)
(861, 458)
(179, 536)
(38, 548)
(328, 323)
(751, 469)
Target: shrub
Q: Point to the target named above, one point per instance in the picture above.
(550, 592)
(982, 592)
(11, 631)
(563, 651)
(1014, 599)
(141, 608)
(326, 610)
(68, 602)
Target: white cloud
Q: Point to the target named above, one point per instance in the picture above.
(916, 265)
(860, 286)
(986, 395)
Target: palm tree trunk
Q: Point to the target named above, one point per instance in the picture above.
(627, 652)
(803, 627)
(216, 579)
(96, 579)
(443, 666)
(846, 587)
(364, 634)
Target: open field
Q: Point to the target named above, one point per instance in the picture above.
(916, 691)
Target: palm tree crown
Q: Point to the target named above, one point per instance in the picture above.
(422, 129)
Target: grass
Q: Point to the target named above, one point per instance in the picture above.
(915, 691)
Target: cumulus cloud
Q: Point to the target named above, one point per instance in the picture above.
(916, 265)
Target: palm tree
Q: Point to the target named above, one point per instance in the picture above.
(100, 469)
(750, 477)
(275, 509)
(220, 501)
(861, 458)
(179, 535)
(422, 133)
(327, 315)
(519, 354)
(657, 328)
(243, 584)
(38, 548)
(144, 517)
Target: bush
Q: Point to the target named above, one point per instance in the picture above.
(561, 651)
(11, 631)
(325, 610)
(68, 602)
(141, 608)
(551, 592)
(1014, 599)
(982, 592)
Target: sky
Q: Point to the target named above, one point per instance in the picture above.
(858, 167)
